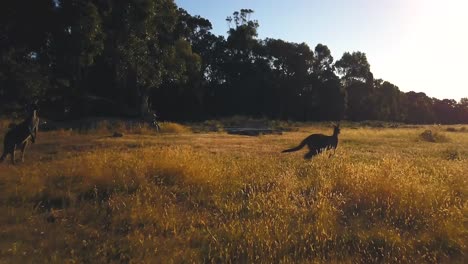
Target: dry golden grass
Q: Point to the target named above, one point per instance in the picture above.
(169, 127)
(385, 196)
(107, 127)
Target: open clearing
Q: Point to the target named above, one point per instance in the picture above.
(385, 196)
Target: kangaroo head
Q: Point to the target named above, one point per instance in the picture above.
(336, 129)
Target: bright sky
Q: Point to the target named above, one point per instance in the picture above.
(419, 45)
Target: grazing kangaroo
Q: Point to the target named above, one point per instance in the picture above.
(20, 135)
(318, 143)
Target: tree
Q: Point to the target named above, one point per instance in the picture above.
(463, 110)
(387, 101)
(24, 52)
(140, 45)
(419, 108)
(331, 103)
(192, 63)
(129, 57)
(242, 36)
(240, 66)
(354, 67)
(323, 62)
(291, 65)
(78, 41)
(445, 111)
(357, 79)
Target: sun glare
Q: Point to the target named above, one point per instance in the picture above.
(435, 40)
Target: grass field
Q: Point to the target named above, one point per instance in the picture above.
(386, 196)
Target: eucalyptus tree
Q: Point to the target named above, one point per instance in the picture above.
(388, 101)
(24, 59)
(419, 108)
(331, 103)
(78, 39)
(292, 64)
(357, 79)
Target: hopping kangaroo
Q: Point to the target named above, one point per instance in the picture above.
(20, 135)
(318, 143)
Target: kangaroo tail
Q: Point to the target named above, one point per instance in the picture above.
(303, 143)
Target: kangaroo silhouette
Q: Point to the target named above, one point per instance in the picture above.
(20, 134)
(318, 143)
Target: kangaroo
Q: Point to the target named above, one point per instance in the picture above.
(318, 143)
(20, 135)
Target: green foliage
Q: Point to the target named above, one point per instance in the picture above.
(147, 55)
(22, 76)
(354, 67)
(242, 36)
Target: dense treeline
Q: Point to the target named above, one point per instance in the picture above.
(116, 57)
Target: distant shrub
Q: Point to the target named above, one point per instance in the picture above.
(283, 125)
(452, 154)
(463, 129)
(451, 129)
(372, 123)
(427, 136)
(236, 120)
(379, 124)
(434, 137)
(212, 126)
(245, 121)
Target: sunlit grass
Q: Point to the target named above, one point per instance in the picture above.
(108, 127)
(385, 196)
(169, 127)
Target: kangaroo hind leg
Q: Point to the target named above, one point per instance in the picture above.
(311, 154)
(6, 150)
(23, 148)
(2, 158)
(12, 153)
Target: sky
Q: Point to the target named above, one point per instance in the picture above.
(418, 45)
